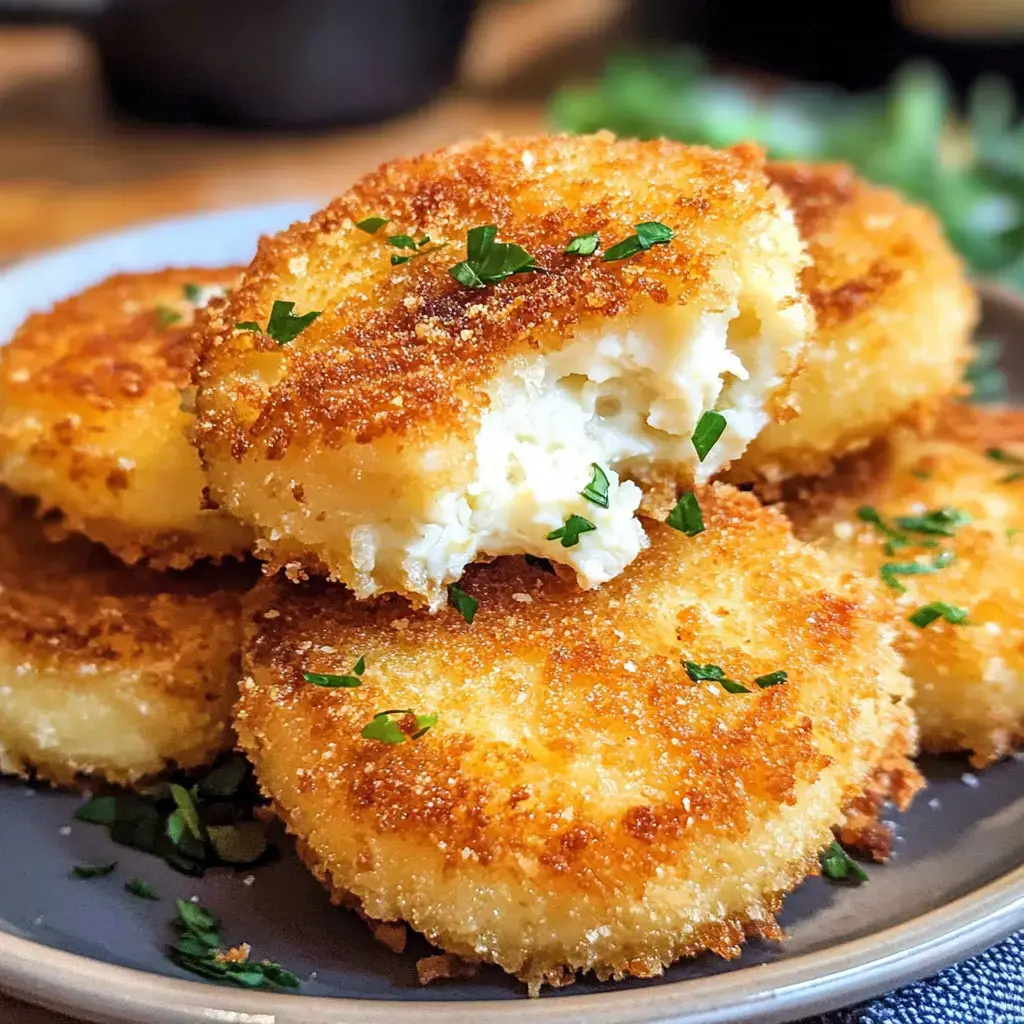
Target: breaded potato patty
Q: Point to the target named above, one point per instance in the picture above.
(93, 422)
(579, 797)
(109, 670)
(951, 506)
(423, 405)
(894, 317)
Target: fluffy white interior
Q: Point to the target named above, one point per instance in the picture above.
(624, 396)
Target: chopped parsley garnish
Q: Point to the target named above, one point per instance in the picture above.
(371, 225)
(201, 950)
(896, 540)
(283, 326)
(839, 866)
(583, 245)
(891, 570)
(1008, 459)
(686, 517)
(329, 679)
(648, 233)
(707, 432)
(716, 674)
(210, 824)
(166, 315)
(921, 474)
(193, 293)
(596, 491)
(540, 563)
(488, 261)
(141, 888)
(570, 531)
(93, 870)
(184, 816)
(408, 242)
(384, 728)
(465, 605)
(928, 614)
(942, 522)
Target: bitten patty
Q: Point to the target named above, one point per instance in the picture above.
(107, 670)
(422, 405)
(950, 553)
(95, 399)
(552, 788)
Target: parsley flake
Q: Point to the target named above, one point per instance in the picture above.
(371, 225)
(890, 570)
(716, 674)
(707, 432)
(648, 233)
(596, 491)
(488, 261)
(330, 680)
(93, 870)
(385, 729)
(163, 819)
(141, 888)
(192, 293)
(929, 613)
(686, 517)
(284, 325)
(1009, 459)
(201, 950)
(583, 245)
(402, 241)
(465, 605)
(942, 522)
(570, 531)
(896, 540)
(839, 866)
(166, 315)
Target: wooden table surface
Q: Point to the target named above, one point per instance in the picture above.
(68, 169)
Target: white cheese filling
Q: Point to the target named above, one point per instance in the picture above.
(622, 396)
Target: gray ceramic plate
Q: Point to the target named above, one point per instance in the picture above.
(955, 886)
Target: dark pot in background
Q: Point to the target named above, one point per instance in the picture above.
(273, 64)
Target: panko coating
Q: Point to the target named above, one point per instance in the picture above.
(108, 670)
(399, 422)
(894, 315)
(580, 804)
(966, 481)
(94, 398)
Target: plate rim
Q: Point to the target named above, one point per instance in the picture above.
(770, 993)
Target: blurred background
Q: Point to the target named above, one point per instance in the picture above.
(118, 111)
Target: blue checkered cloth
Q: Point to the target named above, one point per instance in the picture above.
(988, 989)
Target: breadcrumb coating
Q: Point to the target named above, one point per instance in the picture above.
(108, 670)
(94, 408)
(894, 311)
(581, 804)
(968, 677)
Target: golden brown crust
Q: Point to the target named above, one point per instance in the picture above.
(92, 422)
(894, 311)
(404, 349)
(92, 652)
(552, 690)
(969, 680)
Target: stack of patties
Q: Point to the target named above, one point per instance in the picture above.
(535, 723)
(110, 669)
(926, 499)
